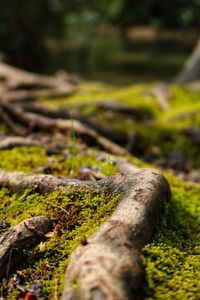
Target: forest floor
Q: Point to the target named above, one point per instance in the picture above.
(89, 134)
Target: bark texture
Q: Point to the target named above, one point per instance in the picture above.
(15, 241)
(41, 183)
(108, 266)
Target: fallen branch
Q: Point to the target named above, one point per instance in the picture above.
(107, 266)
(24, 236)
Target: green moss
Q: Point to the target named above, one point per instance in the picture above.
(157, 137)
(172, 260)
(140, 95)
(78, 216)
(74, 164)
(22, 158)
(27, 159)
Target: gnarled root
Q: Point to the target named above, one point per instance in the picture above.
(107, 266)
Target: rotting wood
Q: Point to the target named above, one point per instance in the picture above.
(25, 236)
(108, 266)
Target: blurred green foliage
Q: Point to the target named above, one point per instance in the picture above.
(26, 26)
(167, 13)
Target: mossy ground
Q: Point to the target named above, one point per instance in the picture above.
(77, 216)
(74, 217)
(158, 135)
(171, 261)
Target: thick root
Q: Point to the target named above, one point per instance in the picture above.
(107, 266)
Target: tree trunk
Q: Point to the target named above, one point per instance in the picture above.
(191, 69)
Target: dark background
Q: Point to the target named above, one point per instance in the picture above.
(117, 41)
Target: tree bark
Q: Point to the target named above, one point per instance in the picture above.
(18, 182)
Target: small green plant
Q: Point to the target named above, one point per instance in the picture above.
(73, 149)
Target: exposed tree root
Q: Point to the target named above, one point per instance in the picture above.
(123, 164)
(16, 141)
(32, 120)
(15, 241)
(18, 182)
(19, 141)
(63, 113)
(137, 113)
(20, 85)
(107, 266)
(8, 122)
(41, 183)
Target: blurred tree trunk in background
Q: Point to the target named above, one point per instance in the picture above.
(191, 69)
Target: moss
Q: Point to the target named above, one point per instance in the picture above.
(140, 95)
(27, 159)
(23, 158)
(161, 133)
(74, 164)
(76, 216)
(172, 260)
